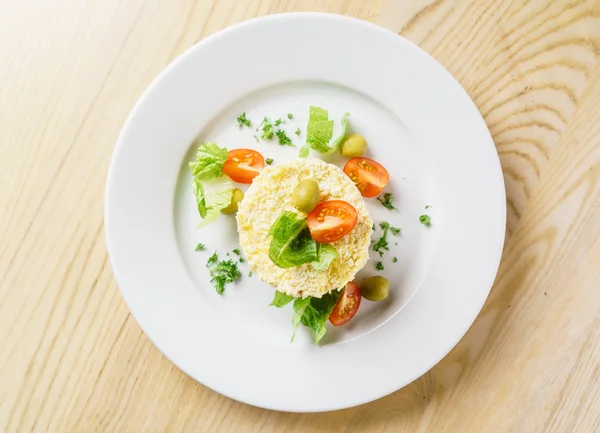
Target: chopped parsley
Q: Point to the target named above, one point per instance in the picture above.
(395, 259)
(290, 116)
(242, 120)
(267, 129)
(278, 122)
(284, 140)
(297, 131)
(242, 260)
(428, 207)
(222, 272)
(386, 201)
(395, 230)
(256, 138)
(373, 227)
(212, 259)
(382, 243)
(269, 161)
(199, 247)
(249, 273)
(425, 220)
(379, 266)
(238, 252)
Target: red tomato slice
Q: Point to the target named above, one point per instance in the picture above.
(331, 220)
(243, 165)
(347, 305)
(369, 176)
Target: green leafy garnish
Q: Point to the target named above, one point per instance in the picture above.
(427, 207)
(379, 266)
(283, 139)
(249, 273)
(242, 260)
(237, 252)
(199, 247)
(209, 161)
(319, 132)
(313, 313)
(242, 120)
(425, 220)
(269, 161)
(395, 259)
(395, 230)
(212, 196)
(291, 244)
(289, 116)
(281, 299)
(256, 138)
(267, 129)
(325, 255)
(224, 272)
(386, 201)
(382, 243)
(297, 131)
(212, 259)
(278, 122)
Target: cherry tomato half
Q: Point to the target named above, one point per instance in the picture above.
(331, 220)
(347, 305)
(243, 165)
(369, 176)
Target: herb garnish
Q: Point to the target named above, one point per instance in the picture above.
(379, 266)
(297, 131)
(425, 220)
(395, 230)
(284, 140)
(199, 247)
(382, 243)
(225, 272)
(267, 129)
(278, 122)
(242, 120)
(395, 259)
(386, 201)
(269, 161)
(212, 259)
(249, 273)
(289, 116)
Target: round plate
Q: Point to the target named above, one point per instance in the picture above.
(419, 123)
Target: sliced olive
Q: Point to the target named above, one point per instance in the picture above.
(236, 198)
(375, 288)
(353, 145)
(306, 195)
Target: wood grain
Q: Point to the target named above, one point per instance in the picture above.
(72, 357)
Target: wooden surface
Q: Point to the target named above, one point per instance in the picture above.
(72, 359)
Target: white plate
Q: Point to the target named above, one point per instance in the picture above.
(419, 123)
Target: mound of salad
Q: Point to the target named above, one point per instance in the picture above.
(303, 226)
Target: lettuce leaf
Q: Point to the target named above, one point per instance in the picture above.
(291, 244)
(209, 161)
(319, 132)
(313, 313)
(212, 196)
(281, 299)
(325, 255)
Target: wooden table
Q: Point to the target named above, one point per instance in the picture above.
(72, 359)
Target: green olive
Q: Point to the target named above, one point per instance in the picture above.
(375, 288)
(353, 145)
(306, 195)
(236, 198)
